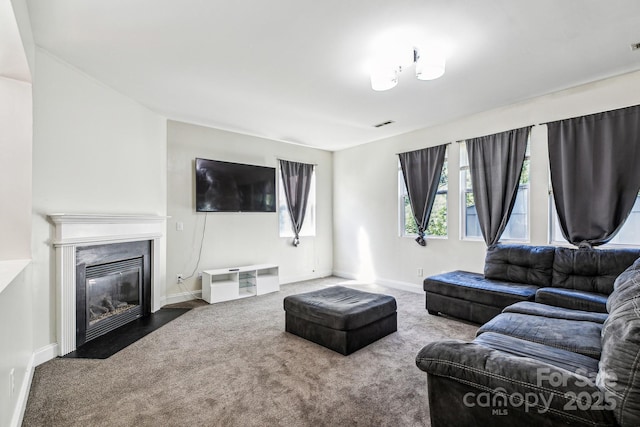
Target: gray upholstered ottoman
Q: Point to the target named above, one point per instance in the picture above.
(341, 319)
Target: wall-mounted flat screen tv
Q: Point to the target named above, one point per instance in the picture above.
(234, 187)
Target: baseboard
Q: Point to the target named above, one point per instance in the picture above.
(404, 286)
(23, 394)
(396, 284)
(180, 297)
(314, 275)
(44, 354)
(38, 357)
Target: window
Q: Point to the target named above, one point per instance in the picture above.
(629, 234)
(284, 219)
(518, 226)
(437, 226)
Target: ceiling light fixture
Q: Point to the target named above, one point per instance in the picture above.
(388, 64)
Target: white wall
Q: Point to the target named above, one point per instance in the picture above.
(367, 244)
(239, 238)
(16, 326)
(16, 334)
(15, 138)
(94, 151)
(15, 169)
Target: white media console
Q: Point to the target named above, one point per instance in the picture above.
(239, 282)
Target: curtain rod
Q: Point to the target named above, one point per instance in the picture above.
(591, 114)
(418, 149)
(463, 140)
(481, 136)
(296, 161)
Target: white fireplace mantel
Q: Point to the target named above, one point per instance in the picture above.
(75, 230)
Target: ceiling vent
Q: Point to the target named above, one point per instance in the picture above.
(379, 125)
(635, 46)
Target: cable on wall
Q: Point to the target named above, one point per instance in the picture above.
(181, 283)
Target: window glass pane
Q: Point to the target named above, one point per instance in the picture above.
(410, 225)
(516, 228)
(464, 158)
(443, 184)
(467, 180)
(524, 175)
(438, 220)
(472, 225)
(629, 234)
(284, 219)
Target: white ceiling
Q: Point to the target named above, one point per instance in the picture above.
(295, 70)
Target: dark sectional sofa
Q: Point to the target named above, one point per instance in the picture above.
(547, 364)
(580, 279)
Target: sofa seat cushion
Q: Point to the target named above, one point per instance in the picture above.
(572, 299)
(590, 270)
(532, 265)
(571, 335)
(474, 287)
(340, 308)
(573, 362)
(537, 309)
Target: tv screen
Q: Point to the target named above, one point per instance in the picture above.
(234, 187)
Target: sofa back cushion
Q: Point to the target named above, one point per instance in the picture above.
(591, 270)
(619, 368)
(520, 263)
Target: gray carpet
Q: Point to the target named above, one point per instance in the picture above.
(232, 364)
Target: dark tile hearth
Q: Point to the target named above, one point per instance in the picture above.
(109, 344)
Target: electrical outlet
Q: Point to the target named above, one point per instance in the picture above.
(180, 278)
(179, 226)
(12, 382)
(420, 272)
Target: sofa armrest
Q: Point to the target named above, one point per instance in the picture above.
(502, 381)
(555, 312)
(572, 299)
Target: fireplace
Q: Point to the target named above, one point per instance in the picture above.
(112, 287)
(104, 261)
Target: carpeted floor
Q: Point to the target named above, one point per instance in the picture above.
(232, 364)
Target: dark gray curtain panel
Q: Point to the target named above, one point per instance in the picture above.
(495, 164)
(595, 173)
(421, 170)
(296, 180)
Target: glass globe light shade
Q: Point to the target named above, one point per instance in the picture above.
(430, 65)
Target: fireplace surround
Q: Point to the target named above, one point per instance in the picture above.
(116, 249)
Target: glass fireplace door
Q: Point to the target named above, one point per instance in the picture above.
(113, 295)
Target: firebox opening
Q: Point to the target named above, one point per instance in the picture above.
(113, 287)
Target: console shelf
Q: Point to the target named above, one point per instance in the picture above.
(239, 282)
